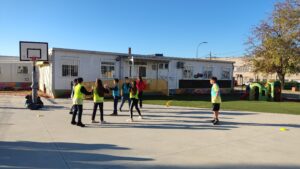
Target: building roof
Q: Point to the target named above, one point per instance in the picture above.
(142, 57)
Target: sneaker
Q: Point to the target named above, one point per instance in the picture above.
(140, 117)
(70, 112)
(80, 125)
(114, 114)
(213, 120)
(102, 122)
(94, 121)
(73, 122)
(216, 122)
(120, 109)
(129, 120)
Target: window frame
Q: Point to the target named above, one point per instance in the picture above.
(225, 69)
(187, 72)
(110, 67)
(69, 70)
(21, 71)
(145, 71)
(208, 69)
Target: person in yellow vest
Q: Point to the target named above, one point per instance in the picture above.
(98, 96)
(79, 92)
(215, 99)
(134, 97)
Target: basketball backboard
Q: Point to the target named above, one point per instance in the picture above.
(33, 51)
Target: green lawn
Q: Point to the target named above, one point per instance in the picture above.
(229, 103)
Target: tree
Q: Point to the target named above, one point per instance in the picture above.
(274, 46)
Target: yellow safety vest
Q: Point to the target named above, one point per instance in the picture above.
(136, 96)
(97, 98)
(78, 96)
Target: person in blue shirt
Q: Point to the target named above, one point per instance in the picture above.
(116, 96)
(125, 93)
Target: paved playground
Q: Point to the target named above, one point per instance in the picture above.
(168, 137)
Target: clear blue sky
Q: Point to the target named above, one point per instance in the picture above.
(171, 27)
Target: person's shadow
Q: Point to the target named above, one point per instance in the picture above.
(44, 155)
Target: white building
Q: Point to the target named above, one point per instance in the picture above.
(14, 75)
(182, 74)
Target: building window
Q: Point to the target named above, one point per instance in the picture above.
(208, 72)
(142, 71)
(154, 67)
(166, 65)
(22, 70)
(69, 70)
(161, 66)
(108, 69)
(226, 73)
(188, 72)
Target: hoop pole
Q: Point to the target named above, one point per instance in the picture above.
(34, 85)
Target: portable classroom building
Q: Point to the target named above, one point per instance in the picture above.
(182, 75)
(14, 75)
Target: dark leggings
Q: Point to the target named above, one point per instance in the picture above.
(134, 103)
(77, 108)
(141, 98)
(72, 108)
(96, 105)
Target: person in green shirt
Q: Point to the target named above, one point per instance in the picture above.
(215, 99)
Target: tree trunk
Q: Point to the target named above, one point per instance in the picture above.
(281, 77)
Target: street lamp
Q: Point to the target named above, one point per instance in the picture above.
(198, 48)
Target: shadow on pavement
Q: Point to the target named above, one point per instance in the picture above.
(23, 154)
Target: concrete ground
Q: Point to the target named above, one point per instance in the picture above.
(168, 138)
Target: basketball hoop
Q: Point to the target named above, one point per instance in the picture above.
(34, 58)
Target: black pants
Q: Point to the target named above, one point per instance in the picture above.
(134, 103)
(72, 108)
(77, 108)
(96, 105)
(116, 100)
(141, 98)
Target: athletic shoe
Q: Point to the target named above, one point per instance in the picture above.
(102, 122)
(71, 112)
(213, 120)
(94, 121)
(216, 122)
(80, 125)
(114, 114)
(140, 117)
(73, 122)
(120, 109)
(129, 120)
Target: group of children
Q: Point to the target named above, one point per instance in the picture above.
(131, 92)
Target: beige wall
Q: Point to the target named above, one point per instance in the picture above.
(243, 67)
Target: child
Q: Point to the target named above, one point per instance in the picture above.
(134, 101)
(98, 97)
(141, 87)
(79, 92)
(74, 83)
(116, 95)
(215, 99)
(125, 93)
